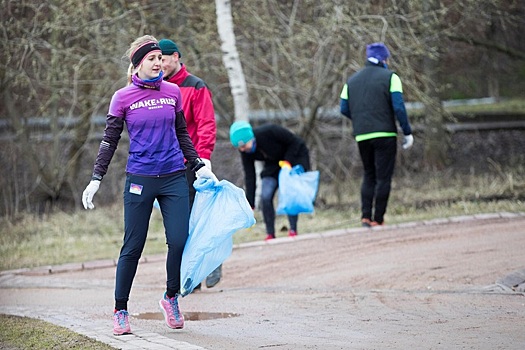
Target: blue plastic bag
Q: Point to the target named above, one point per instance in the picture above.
(220, 209)
(297, 190)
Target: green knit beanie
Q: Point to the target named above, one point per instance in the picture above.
(168, 47)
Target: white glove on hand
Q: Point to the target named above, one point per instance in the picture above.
(206, 173)
(207, 162)
(408, 141)
(89, 192)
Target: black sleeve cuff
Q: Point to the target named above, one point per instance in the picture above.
(96, 177)
(196, 164)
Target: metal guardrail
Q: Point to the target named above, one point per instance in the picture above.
(489, 121)
(458, 127)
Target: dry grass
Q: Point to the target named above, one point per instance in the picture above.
(90, 235)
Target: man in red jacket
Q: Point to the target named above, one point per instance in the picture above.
(200, 117)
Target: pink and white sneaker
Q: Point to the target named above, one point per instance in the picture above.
(121, 323)
(170, 309)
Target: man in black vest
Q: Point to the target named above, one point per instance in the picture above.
(373, 98)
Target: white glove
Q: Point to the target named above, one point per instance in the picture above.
(207, 162)
(89, 192)
(206, 173)
(408, 140)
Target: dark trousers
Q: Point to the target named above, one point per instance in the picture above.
(269, 186)
(379, 158)
(139, 195)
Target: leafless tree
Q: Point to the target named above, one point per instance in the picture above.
(60, 62)
(60, 65)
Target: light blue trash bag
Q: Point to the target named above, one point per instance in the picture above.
(297, 190)
(220, 209)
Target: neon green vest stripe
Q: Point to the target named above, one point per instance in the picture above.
(374, 135)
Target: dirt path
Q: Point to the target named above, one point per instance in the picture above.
(409, 287)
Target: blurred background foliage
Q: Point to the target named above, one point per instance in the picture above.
(61, 61)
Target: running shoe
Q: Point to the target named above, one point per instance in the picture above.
(269, 236)
(121, 323)
(366, 222)
(171, 311)
(292, 233)
(214, 277)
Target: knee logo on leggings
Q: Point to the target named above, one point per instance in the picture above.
(135, 189)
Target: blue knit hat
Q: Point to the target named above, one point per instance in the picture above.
(241, 133)
(377, 50)
(168, 47)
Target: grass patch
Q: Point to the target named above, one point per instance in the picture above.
(27, 333)
(504, 106)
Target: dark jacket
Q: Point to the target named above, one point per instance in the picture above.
(273, 144)
(373, 101)
(370, 101)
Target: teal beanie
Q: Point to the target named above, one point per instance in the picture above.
(168, 47)
(241, 133)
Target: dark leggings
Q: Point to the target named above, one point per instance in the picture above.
(139, 195)
(269, 186)
(379, 158)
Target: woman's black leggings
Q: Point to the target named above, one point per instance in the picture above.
(139, 195)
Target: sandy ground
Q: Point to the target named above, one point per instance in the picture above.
(445, 284)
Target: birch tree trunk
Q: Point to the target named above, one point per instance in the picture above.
(231, 60)
(232, 63)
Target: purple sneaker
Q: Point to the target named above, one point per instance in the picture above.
(121, 323)
(171, 311)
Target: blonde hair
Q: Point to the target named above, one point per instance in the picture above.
(135, 45)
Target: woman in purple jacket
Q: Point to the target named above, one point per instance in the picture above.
(152, 111)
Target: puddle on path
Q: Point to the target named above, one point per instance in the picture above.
(188, 316)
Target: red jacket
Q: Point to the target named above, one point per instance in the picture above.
(198, 110)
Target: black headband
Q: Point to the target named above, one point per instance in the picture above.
(142, 51)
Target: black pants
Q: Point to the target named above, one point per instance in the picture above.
(191, 177)
(269, 186)
(139, 195)
(379, 159)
